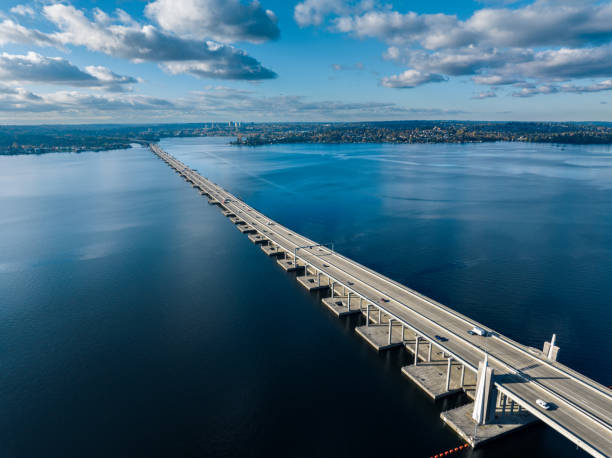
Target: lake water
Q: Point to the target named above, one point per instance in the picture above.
(135, 321)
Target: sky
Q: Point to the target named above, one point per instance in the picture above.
(158, 61)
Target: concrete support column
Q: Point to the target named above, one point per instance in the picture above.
(519, 409)
(379, 321)
(332, 289)
(318, 278)
(462, 374)
(448, 373)
(429, 352)
(367, 314)
(416, 350)
(503, 404)
(390, 330)
(348, 300)
(486, 395)
(403, 329)
(511, 406)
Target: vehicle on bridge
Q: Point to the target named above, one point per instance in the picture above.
(478, 331)
(545, 405)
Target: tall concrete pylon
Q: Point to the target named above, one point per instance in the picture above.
(550, 349)
(484, 388)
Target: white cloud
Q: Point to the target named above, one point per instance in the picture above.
(23, 10)
(542, 43)
(313, 12)
(484, 95)
(530, 91)
(411, 78)
(227, 21)
(11, 32)
(597, 87)
(565, 63)
(35, 68)
(463, 61)
(121, 36)
(128, 40)
(495, 80)
(542, 23)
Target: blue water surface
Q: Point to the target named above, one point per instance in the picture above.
(135, 321)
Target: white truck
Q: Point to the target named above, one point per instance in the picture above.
(478, 331)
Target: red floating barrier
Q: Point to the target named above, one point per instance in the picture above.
(450, 451)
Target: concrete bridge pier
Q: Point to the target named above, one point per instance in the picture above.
(438, 377)
(289, 263)
(486, 418)
(272, 249)
(381, 336)
(313, 282)
(343, 304)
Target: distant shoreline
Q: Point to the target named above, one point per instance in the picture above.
(417, 142)
(20, 140)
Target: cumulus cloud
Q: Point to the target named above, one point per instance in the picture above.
(543, 42)
(35, 68)
(496, 80)
(313, 12)
(234, 65)
(463, 61)
(597, 87)
(530, 91)
(411, 78)
(12, 32)
(22, 10)
(121, 36)
(568, 63)
(227, 21)
(542, 23)
(535, 90)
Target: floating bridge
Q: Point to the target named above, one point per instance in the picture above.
(502, 377)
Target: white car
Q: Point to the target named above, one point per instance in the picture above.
(545, 405)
